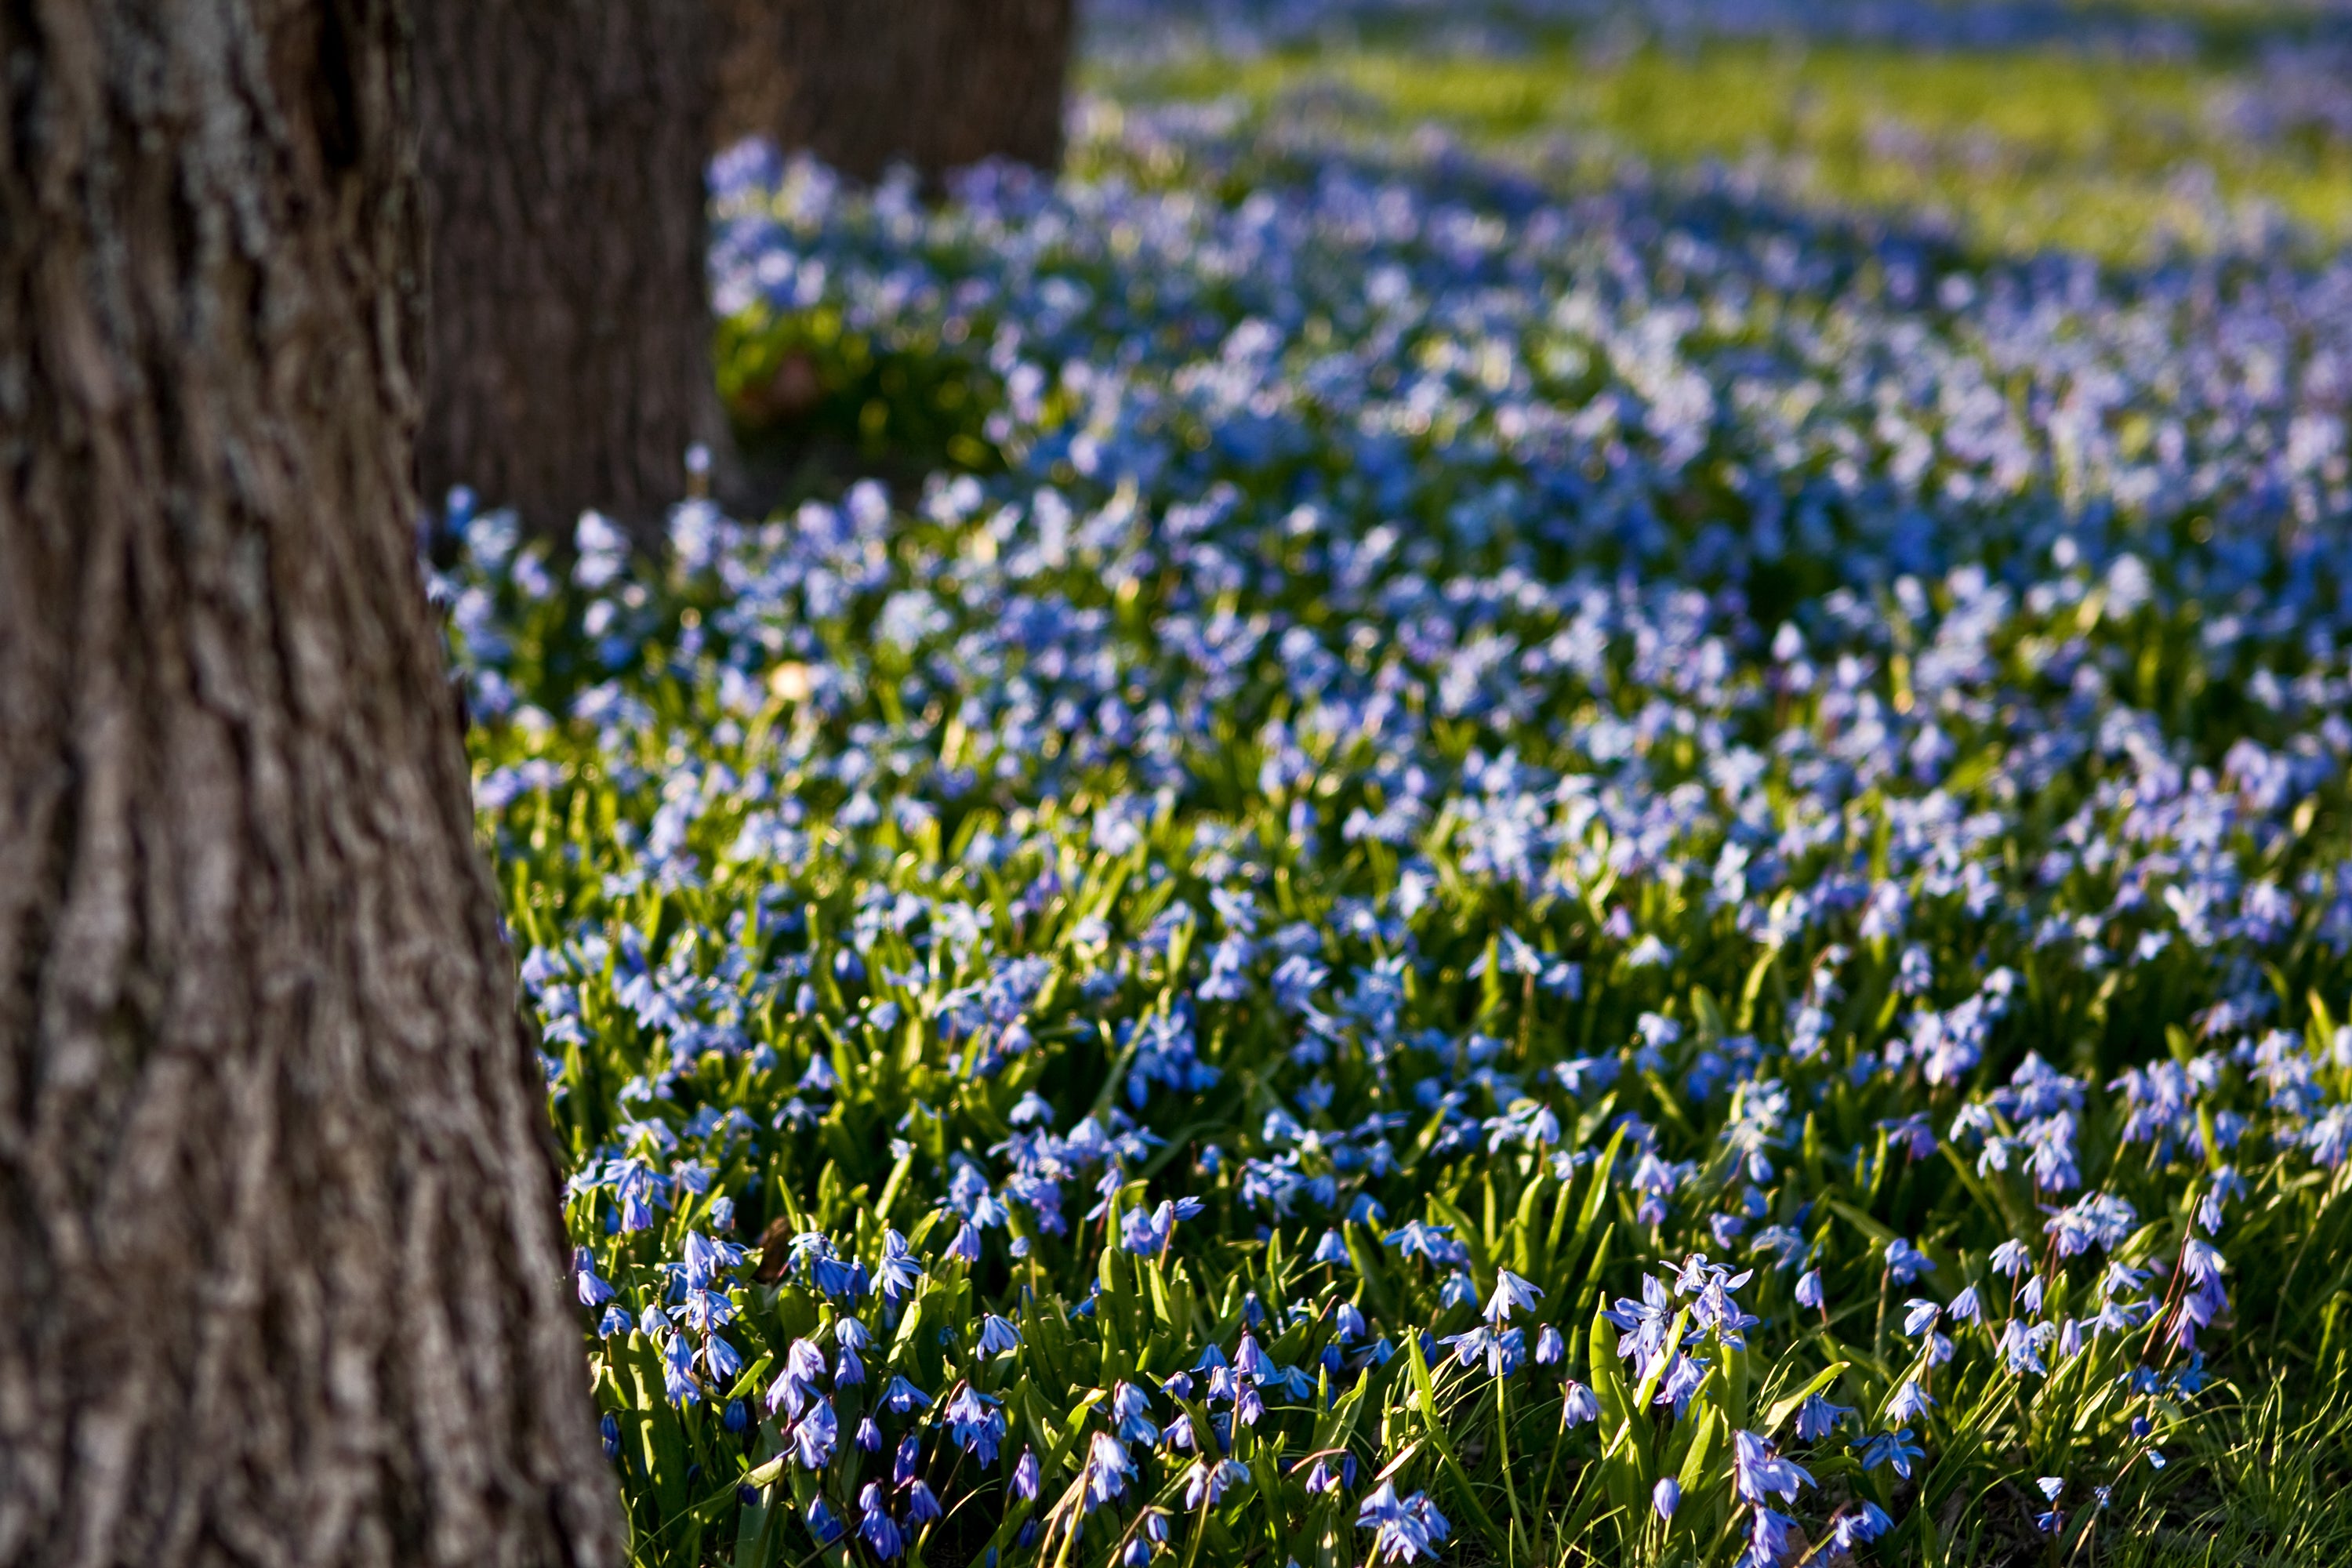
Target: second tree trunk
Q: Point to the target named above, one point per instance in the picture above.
(937, 84)
(563, 143)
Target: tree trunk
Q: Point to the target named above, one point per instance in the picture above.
(938, 84)
(282, 1261)
(563, 146)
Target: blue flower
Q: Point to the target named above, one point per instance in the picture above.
(1910, 1403)
(594, 1291)
(678, 1370)
(1818, 1417)
(1758, 1471)
(880, 1530)
(1207, 1482)
(1905, 1262)
(1893, 1449)
(814, 1435)
(1408, 1528)
(1108, 1471)
(898, 1269)
(975, 1423)
(902, 1396)
(1131, 1414)
(1510, 1293)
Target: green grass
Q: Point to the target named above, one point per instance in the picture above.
(2015, 152)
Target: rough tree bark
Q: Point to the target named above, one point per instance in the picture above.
(862, 83)
(282, 1261)
(563, 145)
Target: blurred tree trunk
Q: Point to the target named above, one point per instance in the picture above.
(860, 83)
(281, 1259)
(563, 146)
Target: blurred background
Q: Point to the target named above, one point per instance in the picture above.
(2127, 131)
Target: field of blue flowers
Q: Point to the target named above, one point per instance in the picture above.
(1454, 866)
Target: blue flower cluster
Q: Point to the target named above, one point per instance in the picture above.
(1219, 982)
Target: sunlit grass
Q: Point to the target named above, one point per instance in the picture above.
(2014, 152)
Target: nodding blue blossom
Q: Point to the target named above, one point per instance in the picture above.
(1909, 1403)
(1131, 1414)
(1666, 1497)
(814, 1435)
(1893, 1449)
(1023, 1483)
(901, 1396)
(1758, 1471)
(1808, 1289)
(1205, 1484)
(998, 1336)
(1550, 1346)
(1502, 1352)
(1431, 1242)
(1108, 1471)
(1578, 1403)
(2021, 1346)
(1408, 1529)
(875, 1523)
(1818, 1417)
(1332, 1250)
(1510, 1293)
(2050, 1522)
(821, 1523)
(1643, 1325)
(678, 1384)
(1905, 1262)
(1684, 1376)
(1770, 1535)
(797, 1384)
(898, 1269)
(1864, 1523)
(975, 1423)
(594, 1291)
